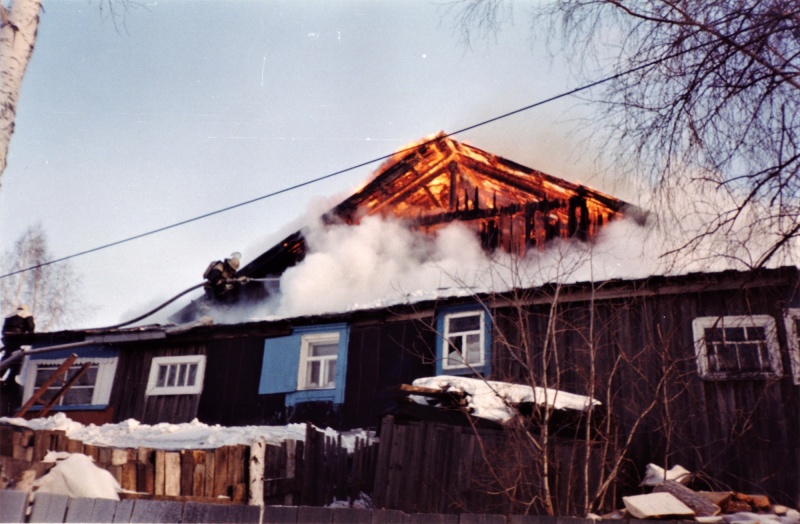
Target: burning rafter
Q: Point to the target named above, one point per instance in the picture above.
(511, 206)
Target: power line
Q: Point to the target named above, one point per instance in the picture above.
(565, 94)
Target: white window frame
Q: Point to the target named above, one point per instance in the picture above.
(701, 351)
(152, 382)
(106, 368)
(446, 349)
(793, 339)
(307, 343)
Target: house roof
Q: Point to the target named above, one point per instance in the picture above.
(440, 180)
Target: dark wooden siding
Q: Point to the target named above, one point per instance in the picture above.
(739, 434)
(230, 395)
(130, 383)
(379, 357)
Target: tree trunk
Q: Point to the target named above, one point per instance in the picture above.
(17, 36)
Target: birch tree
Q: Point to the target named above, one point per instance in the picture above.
(52, 292)
(19, 22)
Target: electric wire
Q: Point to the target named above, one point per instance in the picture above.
(502, 116)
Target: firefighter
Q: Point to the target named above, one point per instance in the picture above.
(218, 275)
(20, 322)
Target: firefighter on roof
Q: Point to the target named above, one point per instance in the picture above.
(20, 322)
(219, 275)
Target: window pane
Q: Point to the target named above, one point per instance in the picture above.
(75, 396)
(713, 334)
(331, 375)
(473, 353)
(89, 378)
(756, 333)
(324, 350)
(312, 374)
(734, 334)
(162, 376)
(454, 351)
(181, 375)
(726, 358)
(192, 375)
(42, 374)
(467, 323)
(749, 357)
(173, 371)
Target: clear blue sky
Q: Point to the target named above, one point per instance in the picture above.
(190, 106)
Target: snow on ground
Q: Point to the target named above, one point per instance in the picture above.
(495, 400)
(192, 435)
(75, 475)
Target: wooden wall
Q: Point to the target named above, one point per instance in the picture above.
(739, 434)
(130, 383)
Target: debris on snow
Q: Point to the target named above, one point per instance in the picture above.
(496, 401)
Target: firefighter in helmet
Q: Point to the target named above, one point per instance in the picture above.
(20, 322)
(219, 275)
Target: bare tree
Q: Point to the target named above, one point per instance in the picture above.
(707, 93)
(18, 26)
(52, 292)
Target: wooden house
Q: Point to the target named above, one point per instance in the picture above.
(701, 370)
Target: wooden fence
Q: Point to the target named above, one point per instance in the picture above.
(441, 468)
(313, 473)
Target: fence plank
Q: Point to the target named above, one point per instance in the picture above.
(196, 512)
(104, 510)
(123, 511)
(13, 505)
(283, 514)
(244, 514)
(221, 472)
(351, 516)
(172, 474)
(156, 511)
(160, 466)
(48, 507)
(211, 471)
(313, 515)
(198, 476)
(80, 510)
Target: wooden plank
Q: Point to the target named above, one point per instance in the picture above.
(280, 514)
(656, 505)
(48, 507)
(199, 473)
(160, 467)
(13, 505)
(74, 446)
(389, 516)
(172, 473)
(210, 472)
(104, 510)
(123, 511)
(41, 444)
(199, 512)
(156, 511)
(243, 514)
(701, 506)
(221, 481)
(80, 510)
(313, 515)
(129, 471)
(187, 472)
(351, 516)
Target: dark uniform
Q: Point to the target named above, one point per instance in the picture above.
(20, 322)
(218, 274)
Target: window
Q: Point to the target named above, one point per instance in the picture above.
(318, 356)
(792, 322)
(310, 365)
(737, 347)
(93, 388)
(464, 341)
(176, 375)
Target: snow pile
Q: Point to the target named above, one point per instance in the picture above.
(77, 476)
(191, 435)
(495, 400)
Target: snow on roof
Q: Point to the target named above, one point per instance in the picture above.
(495, 400)
(191, 435)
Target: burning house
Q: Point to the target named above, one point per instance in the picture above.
(700, 369)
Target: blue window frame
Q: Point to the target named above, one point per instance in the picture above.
(464, 341)
(309, 365)
(91, 391)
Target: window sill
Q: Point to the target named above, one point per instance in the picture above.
(76, 407)
(310, 395)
